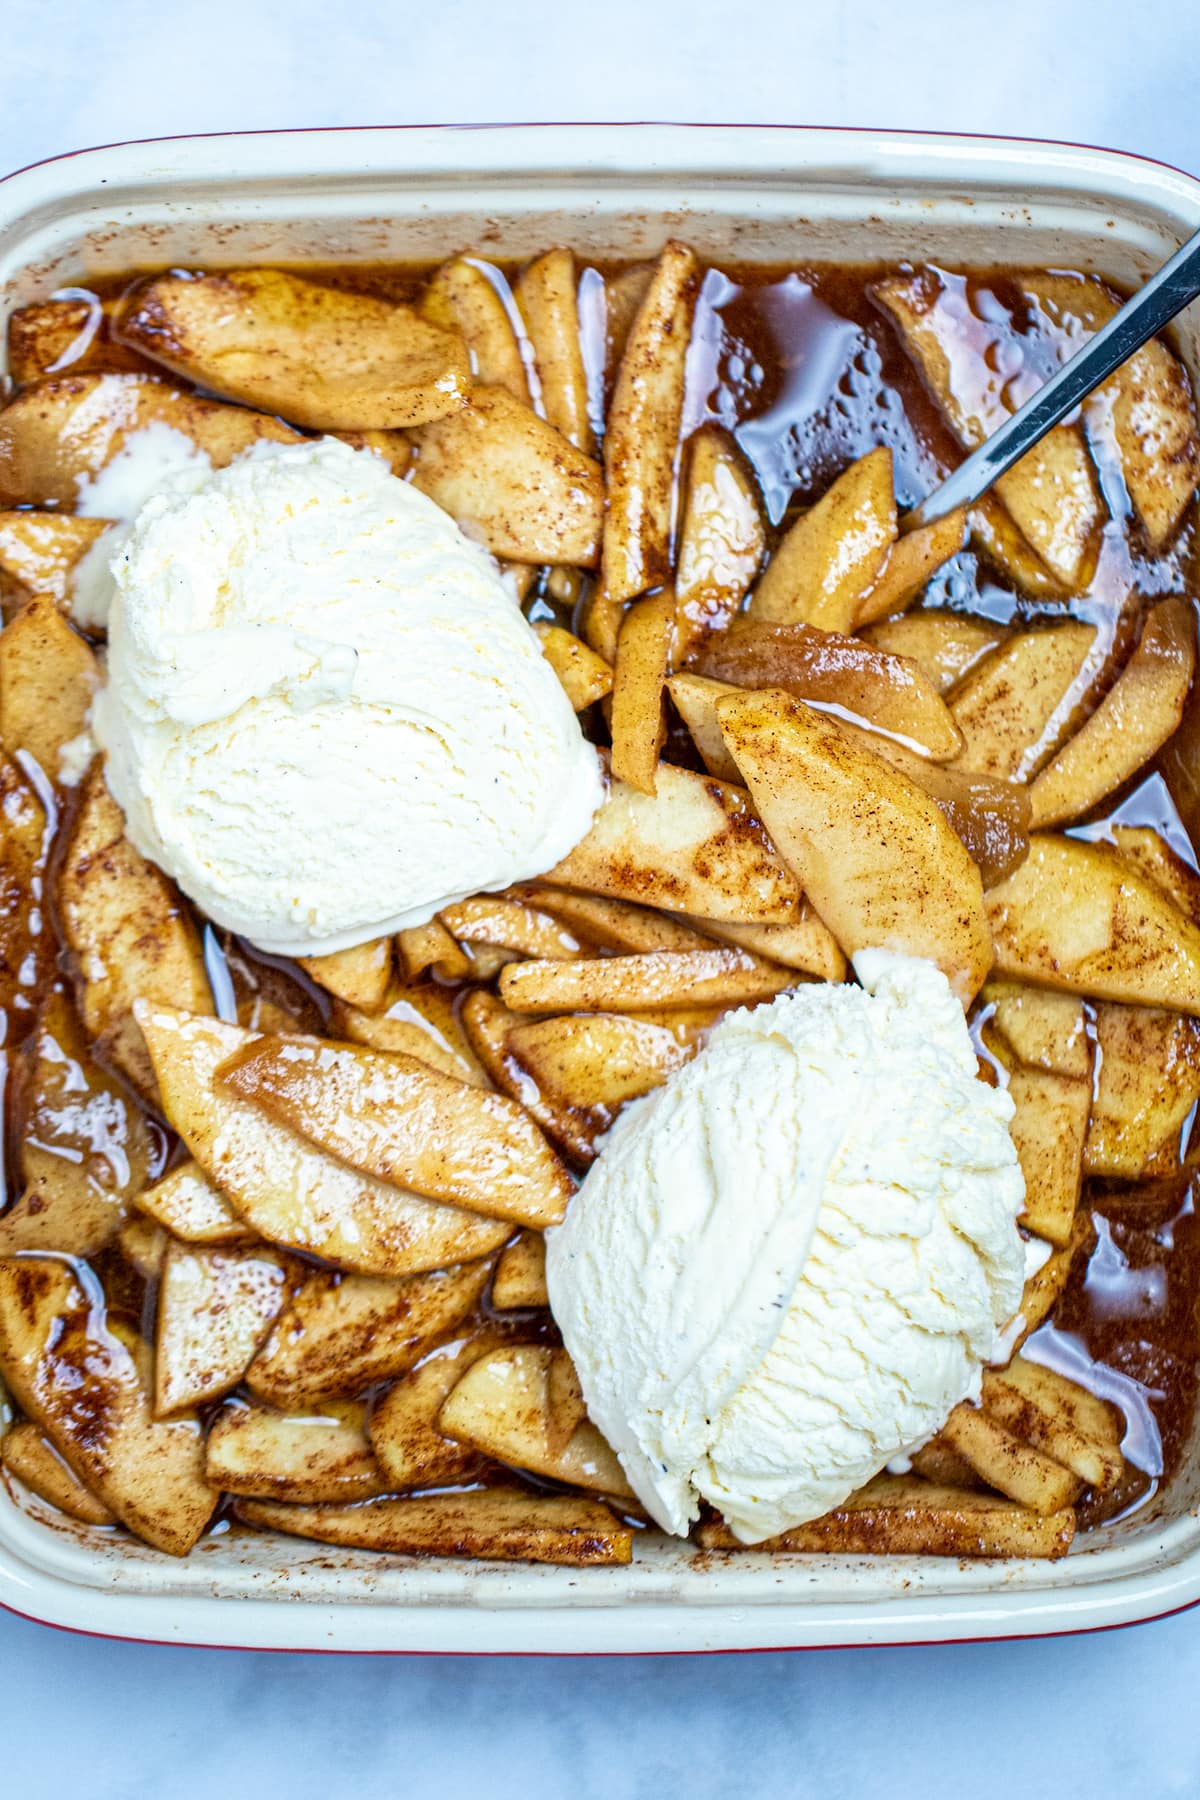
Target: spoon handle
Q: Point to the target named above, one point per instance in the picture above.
(1155, 305)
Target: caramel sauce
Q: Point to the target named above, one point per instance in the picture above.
(807, 372)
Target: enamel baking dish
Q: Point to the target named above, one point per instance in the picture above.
(745, 193)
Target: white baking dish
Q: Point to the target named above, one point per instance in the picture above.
(744, 193)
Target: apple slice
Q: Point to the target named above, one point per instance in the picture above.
(1132, 722)
(638, 717)
(502, 1406)
(886, 692)
(285, 1189)
(48, 679)
(318, 1456)
(585, 677)
(32, 1458)
(908, 566)
(340, 1334)
(519, 1284)
(187, 1205)
(88, 1389)
(808, 945)
(1147, 1082)
(1077, 916)
(131, 935)
(403, 1428)
(359, 977)
(420, 1019)
(547, 297)
(833, 553)
(722, 540)
(500, 1524)
(509, 924)
(56, 437)
(460, 298)
(40, 551)
(663, 979)
(875, 854)
(695, 846)
(215, 1307)
(84, 1149)
(328, 358)
(944, 645)
(642, 433)
(512, 481)
(50, 336)
(613, 924)
(396, 1118)
(1014, 705)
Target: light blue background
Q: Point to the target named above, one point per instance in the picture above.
(1114, 1713)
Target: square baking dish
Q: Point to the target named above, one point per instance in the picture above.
(770, 194)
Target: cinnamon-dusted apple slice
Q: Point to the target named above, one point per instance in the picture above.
(215, 1307)
(695, 698)
(430, 948)
(1149, 399)
(89, 1389)
(664, 978)
(695, 846)
(874, 854)
(510, 925)
(1076, 916)
(460, 298)
(1147, 1082)
(1048, 1131)
(49, 337)
(32, 1458)
(1149, 853)
(186, 1204)
(512, 481)
(808, 945)
(833, 553)
(491, 1523)
(340, 1334)
(40, 552)
(420, 1019)
(991, 817)
(502, 1406)
(83, 1147)
(613, 924)
(399, 1120)
(910, 563)
(1010, 707)
(1132, 722)
(1057, 1416)
(519, 1283)
(547, 297)
(315, 1457)
(573, 1072)
(1009, 1464)
(722, 540)
(903, 1515)
(642, 431)
(329, 359)
(944, 645)
(403, 1425)
(285, 1189)
(585, 677)
(56, 437)
(639, 720)
(131, 936)
(358, 976)
(1042, 1029)
(48, 679)
(884, 691)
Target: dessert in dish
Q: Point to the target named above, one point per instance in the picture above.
(679, 1003)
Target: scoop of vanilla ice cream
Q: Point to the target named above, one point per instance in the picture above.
(790, 1262)
(325, 714)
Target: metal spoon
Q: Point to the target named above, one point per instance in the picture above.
(1167, 293)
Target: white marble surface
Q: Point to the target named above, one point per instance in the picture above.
(1104, 1715)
